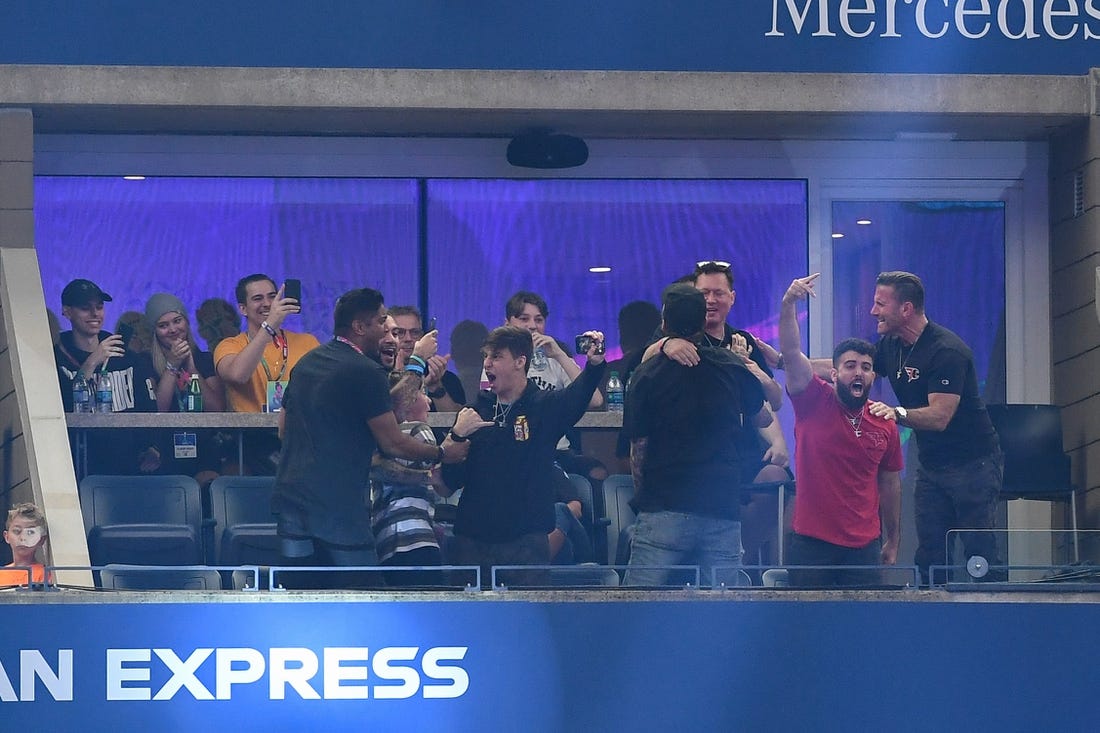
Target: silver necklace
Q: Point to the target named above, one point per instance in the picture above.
(855, 422)
(500, 413)
(903, 364)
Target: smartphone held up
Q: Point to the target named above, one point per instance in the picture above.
(292, 288)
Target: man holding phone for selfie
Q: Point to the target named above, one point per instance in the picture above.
(100, 354)
(444, 388)
(263, 356)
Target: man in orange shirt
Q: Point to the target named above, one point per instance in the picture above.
(264, 354)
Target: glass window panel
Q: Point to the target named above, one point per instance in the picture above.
(490, 238)
(195, 237)
(955, 247)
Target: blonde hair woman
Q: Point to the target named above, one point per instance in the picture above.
(176, 357)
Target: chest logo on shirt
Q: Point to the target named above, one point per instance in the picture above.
(520, 429)
(876, 440)
(913, 373)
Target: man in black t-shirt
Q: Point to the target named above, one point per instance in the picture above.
(336, 411)
(932, 373)
(685, 425)
(766, 457)
(100, 355)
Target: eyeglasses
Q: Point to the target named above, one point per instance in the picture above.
(400, 333)
(717, 263)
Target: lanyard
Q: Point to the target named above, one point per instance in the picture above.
(280, 341)
(343, 340)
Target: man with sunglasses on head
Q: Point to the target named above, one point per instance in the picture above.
(715, 280)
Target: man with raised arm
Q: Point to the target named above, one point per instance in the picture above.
(252, 362)
(507, 507)
(848, 460)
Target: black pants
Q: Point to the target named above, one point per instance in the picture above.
(530, 549)
(803, 550)
(958, 498)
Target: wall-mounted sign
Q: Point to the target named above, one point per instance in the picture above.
(887, 36)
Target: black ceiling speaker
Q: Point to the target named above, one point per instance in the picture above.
(544, 150)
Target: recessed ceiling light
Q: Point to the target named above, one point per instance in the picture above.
(133, 178)
(599, 269)
(863, 222)
(838, 235)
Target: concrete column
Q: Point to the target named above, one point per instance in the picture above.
(34, 444)
(16, 231)
(1075, 283)
(16, 178)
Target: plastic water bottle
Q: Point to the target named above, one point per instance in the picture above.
(538, 359)
(104, 393)
(615, 393)
(194, 394)
(82, 397)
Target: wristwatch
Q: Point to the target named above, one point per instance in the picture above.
(455, 437)
(900, 415)
(436, 394)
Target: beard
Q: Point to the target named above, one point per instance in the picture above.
(849, 400)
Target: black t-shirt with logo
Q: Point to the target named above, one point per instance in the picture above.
(939, 362)
(133, 382)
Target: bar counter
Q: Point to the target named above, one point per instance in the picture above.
(249, 420)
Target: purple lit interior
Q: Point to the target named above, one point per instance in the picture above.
(195, 237)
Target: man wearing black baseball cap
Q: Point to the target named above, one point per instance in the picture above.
(100, 354)
(82, 292)
(685, 425)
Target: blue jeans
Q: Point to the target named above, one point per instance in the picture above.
(678, 538)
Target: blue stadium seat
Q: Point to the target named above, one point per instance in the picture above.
(142, 520)
(140, 577)
(1036, 465)
(618, 490)
(244, 528)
